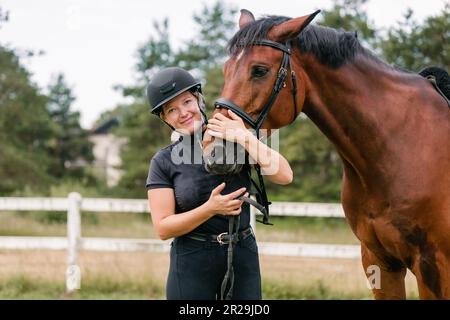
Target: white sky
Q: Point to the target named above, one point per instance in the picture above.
(93, 42)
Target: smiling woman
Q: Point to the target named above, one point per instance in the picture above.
(193, 206)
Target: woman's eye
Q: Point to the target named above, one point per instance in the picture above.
(258, 71)
(187, 101)
(170, 110)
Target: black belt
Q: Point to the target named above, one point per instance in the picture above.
(223, 238)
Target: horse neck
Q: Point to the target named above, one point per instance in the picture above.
(358, 106)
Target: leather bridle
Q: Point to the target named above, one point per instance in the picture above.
(280, 82)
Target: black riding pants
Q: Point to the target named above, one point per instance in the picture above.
(197, 269)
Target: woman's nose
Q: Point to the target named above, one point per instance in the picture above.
(184, 112)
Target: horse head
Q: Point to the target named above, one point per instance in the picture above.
(260, 84)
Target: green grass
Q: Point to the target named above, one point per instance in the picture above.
(307, 230)
(102, 287)
(123, 225)
(98, 288)
(316, 290)
(132, 225)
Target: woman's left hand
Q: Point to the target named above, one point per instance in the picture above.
(225, 128)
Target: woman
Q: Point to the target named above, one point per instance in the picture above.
(191, 205)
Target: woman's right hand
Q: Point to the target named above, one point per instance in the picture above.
(225, 204)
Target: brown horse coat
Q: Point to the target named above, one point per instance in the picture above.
(391, 129)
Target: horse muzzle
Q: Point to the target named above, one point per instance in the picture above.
(224, 158)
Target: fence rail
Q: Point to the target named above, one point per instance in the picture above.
(74, 204)
(303, 209)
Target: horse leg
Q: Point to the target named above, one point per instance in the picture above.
(433, 276)
(392, 280)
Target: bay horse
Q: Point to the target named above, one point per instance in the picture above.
(390, 127)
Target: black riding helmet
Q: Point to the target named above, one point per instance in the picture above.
(167, 84)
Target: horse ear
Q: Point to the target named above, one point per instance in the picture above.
(291, 28)
(245, 18)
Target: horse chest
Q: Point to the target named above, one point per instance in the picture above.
(376, 229)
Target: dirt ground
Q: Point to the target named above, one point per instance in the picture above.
(341, 275)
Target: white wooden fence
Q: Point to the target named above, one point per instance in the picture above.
(74, 204)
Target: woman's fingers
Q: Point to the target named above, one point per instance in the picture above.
(216, 191)
(233, 115)
(220, 116)
(234, 203)
(215, 134)
(235, 212)
(235, 194)
(214, 121)
(214, 127)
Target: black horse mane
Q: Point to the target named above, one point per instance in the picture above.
(331, 47)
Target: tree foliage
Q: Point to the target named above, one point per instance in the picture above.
(203, 55)
(42, 142)
(40, 136)
(350, 15)
(4, 16)
(25, 128)
(70, 148)
(413, 45)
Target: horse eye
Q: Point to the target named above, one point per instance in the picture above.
(259, 71)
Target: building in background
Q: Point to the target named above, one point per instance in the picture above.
(106, 152)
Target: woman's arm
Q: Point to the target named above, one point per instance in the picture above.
(169, 225)
(272, 163)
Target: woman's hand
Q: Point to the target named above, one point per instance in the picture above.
(233, 129)
(225, 204)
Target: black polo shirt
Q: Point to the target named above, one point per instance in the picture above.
(192, 184)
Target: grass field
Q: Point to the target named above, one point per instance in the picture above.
(40, 275)
(120, 275)
(129, 225)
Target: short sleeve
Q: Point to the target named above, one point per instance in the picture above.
(158, 174)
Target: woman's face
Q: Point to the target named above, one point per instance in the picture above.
(183, 113)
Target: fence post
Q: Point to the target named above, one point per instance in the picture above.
(73, 241)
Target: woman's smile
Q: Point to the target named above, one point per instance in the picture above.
(187, 121)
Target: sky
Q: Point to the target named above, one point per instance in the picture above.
(94, 42)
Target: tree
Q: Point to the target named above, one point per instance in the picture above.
(350, 15)
(25, 129)
(156, 53)
(316, 165)
(4, 16)
(413, 46)
(145, 133)
(206, 52)
(70, 148)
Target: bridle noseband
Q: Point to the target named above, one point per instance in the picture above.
(278, 85)
(280, 82)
